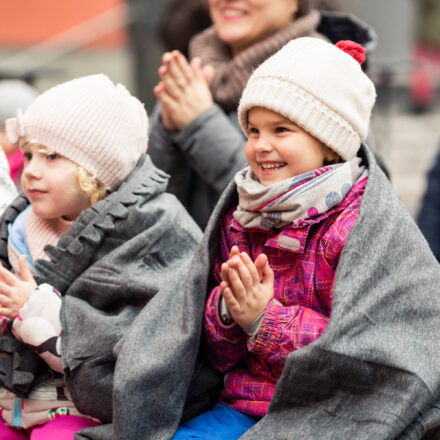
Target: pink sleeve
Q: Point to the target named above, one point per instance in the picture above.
(285, 329)
(3, 325)
(225, 344)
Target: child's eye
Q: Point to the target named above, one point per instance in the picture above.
(27, 156)
(281, 129)
(52, 156)
(253, 130)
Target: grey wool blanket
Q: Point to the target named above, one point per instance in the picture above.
(111, 262)
(373, 374)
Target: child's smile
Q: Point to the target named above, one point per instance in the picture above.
(267, 166)
(278, 149)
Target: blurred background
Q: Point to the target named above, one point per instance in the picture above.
(45, 42)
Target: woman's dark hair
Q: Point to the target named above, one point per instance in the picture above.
(304, 7)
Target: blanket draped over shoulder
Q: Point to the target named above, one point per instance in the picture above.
(373, 374)
(113, 259)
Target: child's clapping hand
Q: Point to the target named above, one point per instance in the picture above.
(14, 290)
(247, 287)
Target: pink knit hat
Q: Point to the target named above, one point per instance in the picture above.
(92, 122)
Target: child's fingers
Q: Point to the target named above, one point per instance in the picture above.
(231, 300)
(5, 311)
(225, 265)
(224, 285)
(25, 271)
(5, 291)
(268, 275)
(245, 276)
(255, 277)
(236, 285)
(5, 300)
(260, 264)
(224, 271)
(7, 276)
(234, 251)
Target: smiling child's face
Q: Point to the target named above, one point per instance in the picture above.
(278, 149)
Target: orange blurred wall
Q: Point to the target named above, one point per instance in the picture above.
(27, 22)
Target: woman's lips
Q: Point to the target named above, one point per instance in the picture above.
(233, 14)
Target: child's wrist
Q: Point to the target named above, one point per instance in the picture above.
(253, 329)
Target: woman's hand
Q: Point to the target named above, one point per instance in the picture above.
(247, 287)
(183, 90)
(15, 291)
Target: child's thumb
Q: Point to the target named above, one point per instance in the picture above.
(260, 264)
(25, 271)
(268, 275)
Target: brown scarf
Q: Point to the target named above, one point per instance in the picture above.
(232, 73)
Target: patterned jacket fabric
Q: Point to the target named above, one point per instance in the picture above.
(304, 260)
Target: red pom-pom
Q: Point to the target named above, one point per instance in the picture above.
(354, 49)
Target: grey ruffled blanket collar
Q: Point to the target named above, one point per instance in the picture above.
(77, 245)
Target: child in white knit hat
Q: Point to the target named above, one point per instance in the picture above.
(94, 236)
(305, 112)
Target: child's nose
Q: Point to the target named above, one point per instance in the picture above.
(32, 170)
(263, 144)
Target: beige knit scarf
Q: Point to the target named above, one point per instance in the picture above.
(232, 73)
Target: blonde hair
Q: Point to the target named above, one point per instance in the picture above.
(87, 182)
(92, 185)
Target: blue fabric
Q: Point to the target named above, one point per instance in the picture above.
(221, 423)
(17, 236)
(17, 418)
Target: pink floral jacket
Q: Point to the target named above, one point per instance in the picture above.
(304, 259)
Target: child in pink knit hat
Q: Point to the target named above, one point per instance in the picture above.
(79, 253)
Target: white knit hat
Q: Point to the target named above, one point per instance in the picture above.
(92, 122)
(319, 87)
